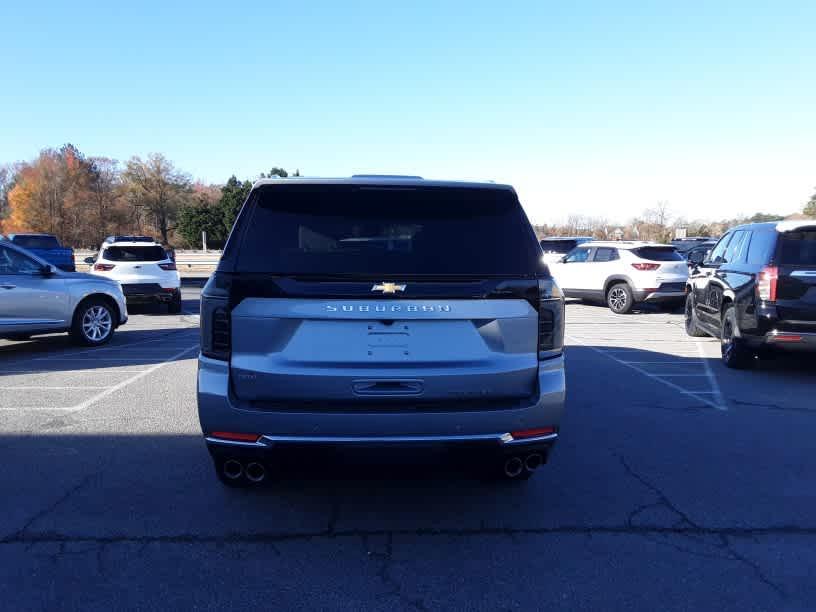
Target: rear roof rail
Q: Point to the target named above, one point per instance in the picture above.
(114, 239)
(387, 176)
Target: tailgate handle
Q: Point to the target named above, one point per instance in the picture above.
(388, 387)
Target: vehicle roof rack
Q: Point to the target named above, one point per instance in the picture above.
(114, 239)
(386, 176)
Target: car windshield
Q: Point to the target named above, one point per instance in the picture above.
(36, 242)
(658, 253)
(798, 248)
(384, 231)
(558, 246)
(134, 253)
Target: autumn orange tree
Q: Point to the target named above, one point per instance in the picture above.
(64, 193)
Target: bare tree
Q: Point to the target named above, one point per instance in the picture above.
(156, 186)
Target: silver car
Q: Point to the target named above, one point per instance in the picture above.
(38, 298)
(357, 312)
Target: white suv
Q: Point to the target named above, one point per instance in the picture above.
(622, 273)
(142, 267)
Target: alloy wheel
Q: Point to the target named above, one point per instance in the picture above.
(617, 299)
(97, 323)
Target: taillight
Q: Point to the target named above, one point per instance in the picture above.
(167, 266)
(766, 283)
(103, 267)
(550, 319)
(216, 335)
(236, 437)
(645, 267)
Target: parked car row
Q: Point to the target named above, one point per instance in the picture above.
(622, 274)
(36, 297)
(144, 269)
(39, 297)
(756, 291)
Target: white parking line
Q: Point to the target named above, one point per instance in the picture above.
(41, 371)
(109, 390)
(711, 378)
(112, 347)
(694, 361)
(41, 388)
(634, 365)
(101, 359)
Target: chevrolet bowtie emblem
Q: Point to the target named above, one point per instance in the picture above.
(388, 287)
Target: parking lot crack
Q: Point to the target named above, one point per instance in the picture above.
(772, 406)
(758, 572)
(385, 574)
(663, 500)
(20, 533)
(687, 528)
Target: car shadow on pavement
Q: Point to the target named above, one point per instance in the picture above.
(640, 308)
(188, 306)
(127, 348)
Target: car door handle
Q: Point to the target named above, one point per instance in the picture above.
(8, 286)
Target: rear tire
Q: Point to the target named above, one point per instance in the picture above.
(94, 323)
(692, 329)
(174, 307)
(619, 298)
(735, 354)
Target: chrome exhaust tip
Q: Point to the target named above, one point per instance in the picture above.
(233, 469)
(513, 467)
(255, 472)
(533, 461)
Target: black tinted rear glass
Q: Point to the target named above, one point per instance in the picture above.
(349, 229)
(36, 242)
(658, 253)
(558, 246)
(134, 253)
(798, 248)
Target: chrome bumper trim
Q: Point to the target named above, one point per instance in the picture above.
(267, 441)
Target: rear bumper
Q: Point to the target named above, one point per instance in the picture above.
(791, 341)
(659, 296)
(219, 411)
(150, 294)
(501, 443)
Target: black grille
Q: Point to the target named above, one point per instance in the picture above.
(141, 289)
(672, 287)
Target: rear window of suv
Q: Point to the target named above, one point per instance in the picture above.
(386, 231)
(658, 253)
(798, 248)
(36, 242)
(134, 253)
(558, 246)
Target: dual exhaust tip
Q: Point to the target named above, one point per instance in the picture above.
(234, 470)
(516, 465)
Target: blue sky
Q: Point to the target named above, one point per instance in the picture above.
(594, 107)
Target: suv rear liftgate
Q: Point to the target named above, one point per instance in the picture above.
(360, 313)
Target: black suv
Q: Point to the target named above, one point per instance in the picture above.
(756, 291)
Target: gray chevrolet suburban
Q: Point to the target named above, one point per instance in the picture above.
(380, 312)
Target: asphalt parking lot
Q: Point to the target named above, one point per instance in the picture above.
(677, 484)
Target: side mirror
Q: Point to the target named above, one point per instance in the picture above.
(90, 260)
(49, 270)
(696, 258)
